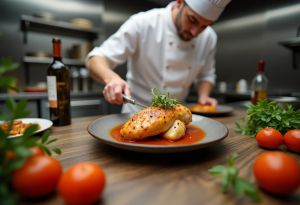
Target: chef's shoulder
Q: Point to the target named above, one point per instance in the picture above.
(149, 18)
(209, 32)
(208, 35)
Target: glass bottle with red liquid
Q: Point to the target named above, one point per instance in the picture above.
(259, 84)
(58, 82)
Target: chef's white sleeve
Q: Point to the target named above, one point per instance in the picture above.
(119, 46)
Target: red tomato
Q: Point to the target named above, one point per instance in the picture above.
(34, 151)
(269, 138)
(38, 176)
(37, 151)
(277, 172)
(10, 155)
(292, 140)
(82, 183)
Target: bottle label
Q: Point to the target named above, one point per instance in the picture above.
(52, 91)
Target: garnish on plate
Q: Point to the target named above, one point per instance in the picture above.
(162, 100)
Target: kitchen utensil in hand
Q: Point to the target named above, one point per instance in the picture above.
(132, 101)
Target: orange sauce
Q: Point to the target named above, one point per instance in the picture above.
(192, 135)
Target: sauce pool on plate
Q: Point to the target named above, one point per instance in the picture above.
(193, 134)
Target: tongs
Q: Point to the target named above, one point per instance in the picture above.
(132, 101)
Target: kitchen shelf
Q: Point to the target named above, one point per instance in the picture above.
(30, 23)
(37, 24)
(294, 45)
(82, 104)
(48, 60)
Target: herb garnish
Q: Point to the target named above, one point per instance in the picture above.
(269, 114)
(231, 179)
(162, 100)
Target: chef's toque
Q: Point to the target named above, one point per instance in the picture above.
(209, 9)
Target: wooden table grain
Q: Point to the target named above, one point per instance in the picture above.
(156, 179)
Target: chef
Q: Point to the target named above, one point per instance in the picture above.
(167, 48)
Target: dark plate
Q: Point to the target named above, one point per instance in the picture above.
(101, 127)
(221, 111)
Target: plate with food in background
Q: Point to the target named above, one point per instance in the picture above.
(164, 127)
(209, 110)
(20, 125)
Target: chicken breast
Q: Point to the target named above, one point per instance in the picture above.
(152, 121)
(183, 114)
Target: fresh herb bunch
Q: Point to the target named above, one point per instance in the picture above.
(19, 146)
(162, 100)
(231, 179)
(269, 114)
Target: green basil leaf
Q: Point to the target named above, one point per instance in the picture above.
(218, 169)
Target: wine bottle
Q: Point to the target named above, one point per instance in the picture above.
(259, 84)
(58, 83)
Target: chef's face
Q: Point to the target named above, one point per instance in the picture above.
(188, 23)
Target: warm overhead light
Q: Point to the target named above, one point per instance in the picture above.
(259, 18)
(240, 22)
(69, 6)
(114, 17)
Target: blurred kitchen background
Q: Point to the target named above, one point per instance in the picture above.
(248, 31)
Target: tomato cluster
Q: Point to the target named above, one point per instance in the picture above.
(40, 175)
(271, 138)
(277, 172)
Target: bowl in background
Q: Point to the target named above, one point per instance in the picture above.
(284, 101)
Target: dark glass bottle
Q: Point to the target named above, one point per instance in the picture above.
(58, 82)
(259, 84)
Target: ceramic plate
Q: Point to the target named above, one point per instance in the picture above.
(221, 110)
(44, 124)
(101, 127)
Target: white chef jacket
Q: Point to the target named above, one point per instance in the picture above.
(157, 57)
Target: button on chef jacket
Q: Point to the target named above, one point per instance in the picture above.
(157, 57)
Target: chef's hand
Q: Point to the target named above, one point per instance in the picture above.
(114, 89)
(206, 100)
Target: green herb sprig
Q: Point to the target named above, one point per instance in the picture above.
(231, 179)
(20, 146)
(162, 100)
(6, 64)
(268, 114)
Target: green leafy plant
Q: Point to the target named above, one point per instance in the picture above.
(269, 114)
(19, 146)
(231, 179)
(6, 65)
(162, 100)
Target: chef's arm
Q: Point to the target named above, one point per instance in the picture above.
(204, 90)
(101, 70)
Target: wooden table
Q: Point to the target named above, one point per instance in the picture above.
(155, 179)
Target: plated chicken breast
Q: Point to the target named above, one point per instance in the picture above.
(153, 121)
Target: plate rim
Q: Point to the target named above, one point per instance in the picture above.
(154, 148)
